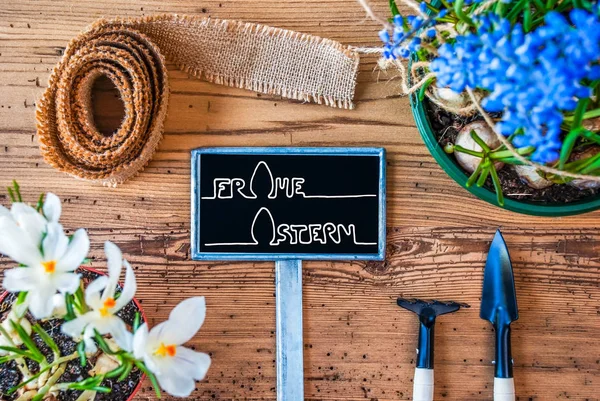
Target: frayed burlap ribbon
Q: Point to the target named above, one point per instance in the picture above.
(132, 54)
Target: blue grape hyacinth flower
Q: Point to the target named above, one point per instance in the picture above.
(531, 77)
(403, 39)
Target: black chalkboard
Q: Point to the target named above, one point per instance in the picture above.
(288, 203)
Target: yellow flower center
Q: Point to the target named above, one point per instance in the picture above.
(49, 266)
(164, 350)
(108, 304)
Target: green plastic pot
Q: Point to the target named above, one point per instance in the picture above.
(449, 165)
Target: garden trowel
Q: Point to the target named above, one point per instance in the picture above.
(499, 306)
(427, 312)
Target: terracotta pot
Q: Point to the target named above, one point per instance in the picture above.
(137, 304)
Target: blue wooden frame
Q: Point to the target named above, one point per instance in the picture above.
(195, 197)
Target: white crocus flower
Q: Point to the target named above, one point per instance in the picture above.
(102, 316)
(32, 223)
(41, 245)
(59, 307)
(52, 208)
(175, 367)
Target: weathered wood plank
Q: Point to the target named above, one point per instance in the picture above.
(357, 340)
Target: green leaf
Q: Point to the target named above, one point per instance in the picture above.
(11, 195)
(17, 351)
(577, 165)
(80, 298)
(434, 9)
(446, 4)
(503, 154)
(592, 168)
(449, 19)
(567, 147)
(458, 10)
(32, 378)
(46, 338)
(473, 178)
(116, 371)
(540, 6)
(137, 321)
(500, 8)
(21, 297)
(69, 305)
(591, 164)
(458, 148)
(40, 203)
(516, 10)
(39, 397)
(8, 358)
(102, 344)
(527, 18)
(591, 136)
(126, 372)
(17, 190)
(81, 352)
(578, 4)
(510, 160)
(394, 8)
(101, 389)
(424, 87)
(89, 382)
(497, 185)
(564, 5)
(483, 177)
(587, 115)
(150, 375)
(28, 342)
(579, 112)
(480, 142)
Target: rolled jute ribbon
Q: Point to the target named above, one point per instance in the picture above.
(132, 52)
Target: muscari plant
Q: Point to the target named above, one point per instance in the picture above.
(530, 67)
(47, 286)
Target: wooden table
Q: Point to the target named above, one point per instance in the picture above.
(358, 343)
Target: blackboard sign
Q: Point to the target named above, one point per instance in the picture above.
(288, 203)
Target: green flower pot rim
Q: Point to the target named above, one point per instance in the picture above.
(457, 174)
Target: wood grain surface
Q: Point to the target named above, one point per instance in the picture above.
(358, 344)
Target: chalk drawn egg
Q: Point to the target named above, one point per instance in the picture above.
(263, 227)
(261, 183)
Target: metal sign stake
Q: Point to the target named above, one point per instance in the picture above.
(288, 299)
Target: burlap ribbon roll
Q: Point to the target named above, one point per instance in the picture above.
(132, 54)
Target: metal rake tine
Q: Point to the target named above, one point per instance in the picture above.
(431, 307)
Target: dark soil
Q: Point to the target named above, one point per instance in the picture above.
(10, 376)
(446, 127)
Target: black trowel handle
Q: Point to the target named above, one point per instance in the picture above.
(504, 362)
(504, 386)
